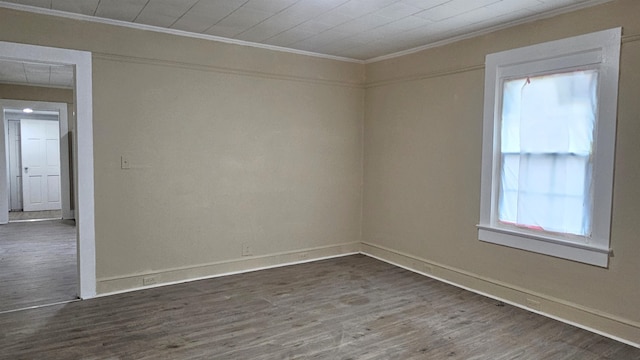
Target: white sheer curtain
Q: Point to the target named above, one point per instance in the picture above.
(546, 143)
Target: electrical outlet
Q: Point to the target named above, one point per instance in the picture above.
(124, 162)
(148, 280)
(246, 250)
(533, 304)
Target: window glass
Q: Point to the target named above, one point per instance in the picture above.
(546, 145)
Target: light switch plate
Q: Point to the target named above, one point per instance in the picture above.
(124, 163)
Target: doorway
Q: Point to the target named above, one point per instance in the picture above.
(82, 156)
(38, 265)
(39, 162)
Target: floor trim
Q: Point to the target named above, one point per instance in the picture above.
(40, 306)
(139, 281)
(606, 325)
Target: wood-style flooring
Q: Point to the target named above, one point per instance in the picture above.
(37, 264)
(352, 307)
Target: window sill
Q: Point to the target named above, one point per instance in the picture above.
(583, 253)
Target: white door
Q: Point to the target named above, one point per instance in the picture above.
(40, 145)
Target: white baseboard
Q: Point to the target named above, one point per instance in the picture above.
(608, 325)
(133, 282)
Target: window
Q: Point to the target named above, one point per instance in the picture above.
(548, 147)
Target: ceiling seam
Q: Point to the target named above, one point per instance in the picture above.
(176, 32)
(226, 16)
(268, 18)
(141, 10)
(469, 35)
(184, 13)
(346, 37)
(95, 11)
(306, 21)
(322, 47)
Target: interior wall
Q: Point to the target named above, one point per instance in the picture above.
(35, 93)
(229, 145)
(225, 146)
(423, 142)
(40, 93)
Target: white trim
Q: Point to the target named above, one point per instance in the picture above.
(552, 247)
(243, 271)
(4, 171)
(82, 17)
(83, 154)
(495, 297)
(599, 50)
(453, 39)
(61, 108)
(65, 166)
(39, 306)
(446, 41)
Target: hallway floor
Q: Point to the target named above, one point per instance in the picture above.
(37, 263)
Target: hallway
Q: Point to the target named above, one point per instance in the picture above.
(37, 263)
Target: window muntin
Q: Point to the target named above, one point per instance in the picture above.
(546, 142)
(586, 154)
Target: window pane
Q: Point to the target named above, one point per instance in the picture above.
(546, 144)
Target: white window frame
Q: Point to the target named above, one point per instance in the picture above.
(599, 50)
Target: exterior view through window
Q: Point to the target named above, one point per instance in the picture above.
(546, 145)
(548, 142)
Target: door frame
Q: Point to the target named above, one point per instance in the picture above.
(82, 154)
(65, 186)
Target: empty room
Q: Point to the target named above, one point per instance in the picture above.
(327, 179)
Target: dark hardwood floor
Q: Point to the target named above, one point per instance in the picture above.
(37, 263)
(353, 307)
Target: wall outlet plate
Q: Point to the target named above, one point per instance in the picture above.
(246, 250)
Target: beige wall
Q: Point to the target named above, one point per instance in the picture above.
(228, 145)
(231, 145)
(35, 93)
(423, 136)
(218, 160)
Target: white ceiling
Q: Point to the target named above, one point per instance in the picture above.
(355, 29)
(58, 76)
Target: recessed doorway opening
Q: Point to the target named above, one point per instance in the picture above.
(39, 162)
(80, 164)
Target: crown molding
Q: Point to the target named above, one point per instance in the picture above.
(446, 41)
(491, 29)
(82, 17)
